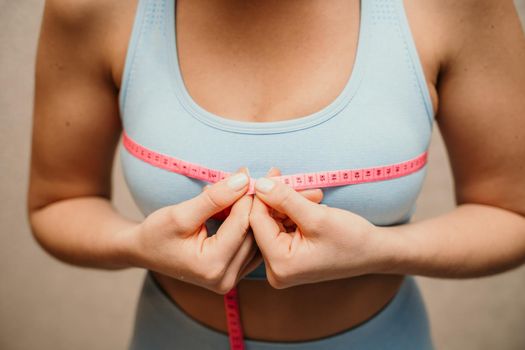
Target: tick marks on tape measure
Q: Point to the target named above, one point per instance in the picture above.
(297, 181)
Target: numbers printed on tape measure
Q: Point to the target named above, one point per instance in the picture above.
(297, 181)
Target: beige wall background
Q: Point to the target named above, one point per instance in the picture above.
(45, 304)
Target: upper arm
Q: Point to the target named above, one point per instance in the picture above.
(76, 122)
(482, 103)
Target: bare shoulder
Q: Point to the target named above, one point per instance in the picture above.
(79, 18)
(101, 26)
(470, 24)
(442, 29)
(82, 13)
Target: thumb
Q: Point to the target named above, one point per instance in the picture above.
(283, 198)
(219, 196)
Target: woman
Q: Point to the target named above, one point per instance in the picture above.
(300, 86)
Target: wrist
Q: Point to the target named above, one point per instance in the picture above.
(126, 246)
(391, 249)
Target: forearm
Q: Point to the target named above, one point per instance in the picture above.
(85, 231)
(472, 240)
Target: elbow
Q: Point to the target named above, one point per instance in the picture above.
(36, 218)
(33, 216)
(35, 223)
(45, 234)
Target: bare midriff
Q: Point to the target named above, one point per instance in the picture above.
(299, 313)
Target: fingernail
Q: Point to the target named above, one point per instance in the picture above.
(269, 171)
(243, 169)
(264, 184)
(238, 181)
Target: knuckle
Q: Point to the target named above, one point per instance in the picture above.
(212, 199)
(244, 225)
(214, 273)
(176, 219)
(254, 217)
(217, 290)
(285, 199)
(281, 274)
(210, 276)
(318, 221)
(240, 213)
(224, 287)
(276, 281)
(201, 272)
(242, 219)
(217, 273)
(246, 220)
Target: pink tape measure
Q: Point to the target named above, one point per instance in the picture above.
(297, 181)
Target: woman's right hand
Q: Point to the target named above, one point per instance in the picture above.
(174, 240)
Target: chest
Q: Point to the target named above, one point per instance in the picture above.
(352, 138)
(380, 114)
(270, 61)
(266, 62)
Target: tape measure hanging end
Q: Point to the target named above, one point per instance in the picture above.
(233, 318)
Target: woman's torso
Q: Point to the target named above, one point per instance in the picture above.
(275, 61)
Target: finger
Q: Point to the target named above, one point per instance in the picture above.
(223, 214)
(233, 230)
(243, 256)
(274, 171)
(253, 253)
(286, 200)
(267, 232)
(254, 263)
(214, 199)
(314, 195)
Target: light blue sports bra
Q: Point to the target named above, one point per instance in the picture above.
(383, 115)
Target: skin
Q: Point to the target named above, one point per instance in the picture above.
(473, 59)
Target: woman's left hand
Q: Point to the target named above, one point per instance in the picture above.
(327, 243)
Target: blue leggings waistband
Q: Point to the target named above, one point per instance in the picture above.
(402, 324)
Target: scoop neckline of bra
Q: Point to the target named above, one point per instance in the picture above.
(325, 113)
